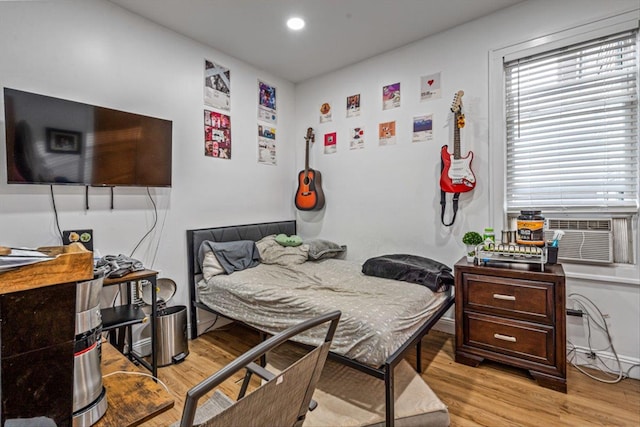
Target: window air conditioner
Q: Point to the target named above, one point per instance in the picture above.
(584, 240)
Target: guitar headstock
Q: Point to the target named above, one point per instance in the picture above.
(456, 105)
(310, 135)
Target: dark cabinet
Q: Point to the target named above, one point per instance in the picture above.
(513, 314)
(37, 334)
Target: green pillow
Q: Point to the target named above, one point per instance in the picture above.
(293, 240)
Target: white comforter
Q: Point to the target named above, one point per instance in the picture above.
(378, 315)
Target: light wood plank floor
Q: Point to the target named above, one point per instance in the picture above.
(489, 395)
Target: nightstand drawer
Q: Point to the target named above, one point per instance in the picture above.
(515, 298)
(521, 340)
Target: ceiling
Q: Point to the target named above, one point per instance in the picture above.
(338, 33)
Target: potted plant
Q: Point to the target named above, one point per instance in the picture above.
(471, 239)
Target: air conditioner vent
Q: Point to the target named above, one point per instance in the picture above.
(584, 240)
(580, 224)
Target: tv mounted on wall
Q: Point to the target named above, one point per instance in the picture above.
(57, 141)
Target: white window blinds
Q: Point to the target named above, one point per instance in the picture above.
(572, 127)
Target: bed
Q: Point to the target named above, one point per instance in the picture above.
(382, 319)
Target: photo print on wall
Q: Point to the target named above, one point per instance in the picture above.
(353, 105)
(266, 145)
(330, 143)
(217, 86)
(267, 110)
(325, 112)
(357, 139)
(391, 96)
(217, 135)
(387, 133)
(430, 87)
(422, 128)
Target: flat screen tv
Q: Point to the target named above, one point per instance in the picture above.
(57, 141)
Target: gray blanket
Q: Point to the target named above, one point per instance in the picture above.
(378, 315)
(232, 256)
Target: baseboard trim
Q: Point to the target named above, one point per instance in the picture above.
(446, 325)
(608, 361)
(142, 347)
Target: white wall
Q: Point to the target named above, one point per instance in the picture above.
(379, 200)
(386, 199)
(96, 52)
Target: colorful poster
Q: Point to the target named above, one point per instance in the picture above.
(422, 128)
(391, 96)
(330, 143)
(217, 135)
(267, 103)
(325, 112)
(357, 139)
(387, 133)
(266, 145)
(217, 86)
(430, 87)
(353, 105)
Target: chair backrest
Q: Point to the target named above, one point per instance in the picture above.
(283, 400)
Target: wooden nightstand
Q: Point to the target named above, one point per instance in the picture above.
(514, 314)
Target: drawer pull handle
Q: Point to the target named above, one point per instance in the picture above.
(504, 297)
(504, 337)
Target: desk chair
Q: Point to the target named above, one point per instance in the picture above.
(283, 400)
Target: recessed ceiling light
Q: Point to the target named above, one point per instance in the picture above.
(295, 23)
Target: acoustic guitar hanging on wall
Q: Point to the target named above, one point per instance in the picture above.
(456, 175)
(309, 196)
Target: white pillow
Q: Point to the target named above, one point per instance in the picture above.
(272, 252)
(211, 266)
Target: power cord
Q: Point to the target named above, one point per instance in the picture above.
(626, 374)
(616, 375)
(144, 374)
(155, 253)
(155, 222)
(55, 213)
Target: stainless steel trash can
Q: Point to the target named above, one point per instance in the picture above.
(171, 335)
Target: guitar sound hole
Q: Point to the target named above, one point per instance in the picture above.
(306, 181)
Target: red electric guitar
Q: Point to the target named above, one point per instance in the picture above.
(457, 176)
(309, 196)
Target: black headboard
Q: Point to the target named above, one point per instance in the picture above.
(253, 232)
(195, 238)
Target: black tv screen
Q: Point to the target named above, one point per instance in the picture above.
(57, 141)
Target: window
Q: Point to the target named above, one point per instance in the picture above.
(572, 127)
(566, 118)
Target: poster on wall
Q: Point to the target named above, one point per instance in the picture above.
(266, 145)
(430, 87)
(387, 133)
(267, 103)
(325, 112)
(391, 96)
(330, 143)
(217, 86)
(217, 135)
(422, 128)
(353, 105)
(357, 139)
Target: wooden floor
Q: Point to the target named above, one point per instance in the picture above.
(489, 395)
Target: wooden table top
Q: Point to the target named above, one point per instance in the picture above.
(131, 277)
(132, 399)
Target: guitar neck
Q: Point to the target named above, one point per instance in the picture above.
(306, 156)
(456, 138)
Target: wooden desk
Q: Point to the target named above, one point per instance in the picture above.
(132, 399)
